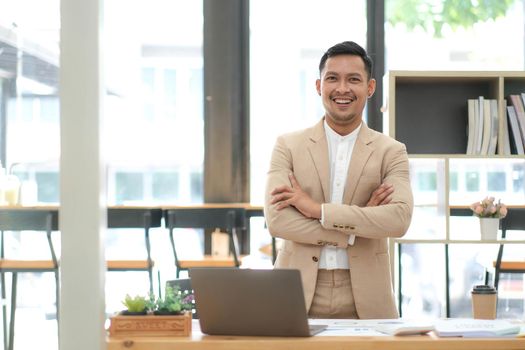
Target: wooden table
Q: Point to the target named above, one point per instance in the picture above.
(205, 342)
(122, 215)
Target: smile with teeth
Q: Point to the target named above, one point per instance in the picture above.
(343, 100)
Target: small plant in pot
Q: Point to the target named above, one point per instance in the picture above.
(138, 305)
(175, 302)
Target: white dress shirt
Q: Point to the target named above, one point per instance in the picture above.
(339, 155)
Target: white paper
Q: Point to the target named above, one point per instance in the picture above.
(474, 328)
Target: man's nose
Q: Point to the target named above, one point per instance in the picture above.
(343, 86)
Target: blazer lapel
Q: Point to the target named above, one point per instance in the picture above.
(360, 155)
(319, 151)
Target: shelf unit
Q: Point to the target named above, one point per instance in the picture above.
(427, 111)
(437, 101)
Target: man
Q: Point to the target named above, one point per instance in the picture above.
(335, 192)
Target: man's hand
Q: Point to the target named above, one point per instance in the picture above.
(381, 195)
(285, 196)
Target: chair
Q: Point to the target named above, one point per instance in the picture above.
(515, 220)
(228, 219)
(25, 220)
(184, 284)
(145, 218)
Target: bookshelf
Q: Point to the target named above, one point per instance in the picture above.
(427, 111)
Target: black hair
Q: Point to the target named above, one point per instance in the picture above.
(347, 48)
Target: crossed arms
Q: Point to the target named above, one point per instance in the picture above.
(293, 209)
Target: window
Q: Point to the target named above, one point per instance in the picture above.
(154, 109)
(283, 71)
(420, 37)
(472, 181)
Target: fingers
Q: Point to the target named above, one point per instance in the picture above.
(280, 197)
(285, 188)
(386, 200)
(384, 193)
(283, 196)
(282, 205)
(281, 201)
(293, 180)
(381, 195)
(281, 189)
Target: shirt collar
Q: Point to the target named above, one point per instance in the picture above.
(332, 135)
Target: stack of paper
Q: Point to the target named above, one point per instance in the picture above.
(403, 327)
(473, 328)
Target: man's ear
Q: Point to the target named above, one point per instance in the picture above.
(318, 86)
(371, 87)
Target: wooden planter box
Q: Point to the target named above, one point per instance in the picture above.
(150, 325)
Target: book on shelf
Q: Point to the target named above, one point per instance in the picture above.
(478, 113)
(506, 133)
(471, 127)
(516, 140)
(517, 102)
(494, 127)
(474, 328)
(483, 125)
(487, 123)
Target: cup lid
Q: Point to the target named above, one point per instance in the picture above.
(483, 289)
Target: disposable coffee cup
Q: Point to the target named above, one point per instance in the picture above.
(484, 301)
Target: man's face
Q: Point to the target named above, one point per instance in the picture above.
(344, 88)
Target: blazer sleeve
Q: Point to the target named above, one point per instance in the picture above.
(289, 223)
(390, 220)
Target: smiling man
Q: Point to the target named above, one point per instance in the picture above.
(335, 192)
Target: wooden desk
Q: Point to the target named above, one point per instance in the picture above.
(205, 342)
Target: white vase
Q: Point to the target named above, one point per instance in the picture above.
(489, 228)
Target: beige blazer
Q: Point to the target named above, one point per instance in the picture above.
(376, 158)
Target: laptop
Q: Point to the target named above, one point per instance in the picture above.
(233, 301)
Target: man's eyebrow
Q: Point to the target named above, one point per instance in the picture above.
(352, 74)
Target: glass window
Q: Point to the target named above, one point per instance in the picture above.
(48, 187)
(453, 181)
(50, 109)
(518, 177)
(148, 79)
(496, 181)
(438, 35)
(494, 177)
(29, 45)
(154, 114)
(196, 185)
(129, 187)
(154, 121)
(422, 280)
(472, 181)
(427, 181)
(165, 185)
(468, 263)
(169, 85)
(29, 107)
(427, 178)
(283, 72)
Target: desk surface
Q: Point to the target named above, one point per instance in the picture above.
(246, 206)
(204, 342)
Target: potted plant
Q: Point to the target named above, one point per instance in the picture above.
(486, 208)
(489, 214)
(175, 302)
(168, 316)
(137, 305)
